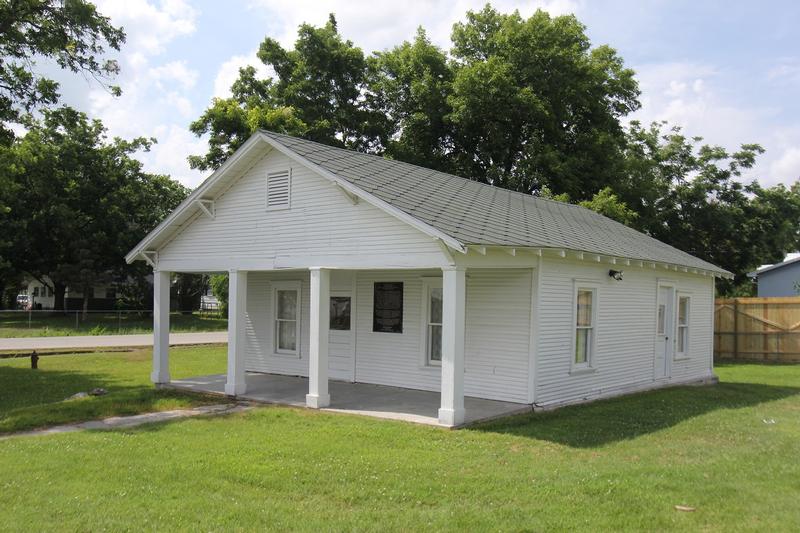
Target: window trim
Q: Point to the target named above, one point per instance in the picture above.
(677, 354)
(428, 283)
(286, 286)
(279, 174)
(590, 364)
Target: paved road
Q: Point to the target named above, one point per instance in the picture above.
(109, 341)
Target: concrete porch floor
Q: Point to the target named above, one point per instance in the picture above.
(378, 401)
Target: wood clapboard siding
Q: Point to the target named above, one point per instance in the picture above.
(393, 358)
(625, 330)
(497, 336)
(320, 222)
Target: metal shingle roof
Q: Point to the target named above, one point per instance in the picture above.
(479, 214)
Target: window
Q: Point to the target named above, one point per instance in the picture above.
(111, 293)
(286, 296)
(340, 313)
(662, 318)
(387, 310)
(584, 326)
(433, 323)
(683, 325)
(279, 190)
(36, 291)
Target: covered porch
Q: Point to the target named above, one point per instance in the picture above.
(449, 407)
(378, 401)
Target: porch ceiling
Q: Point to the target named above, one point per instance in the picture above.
(378, 401)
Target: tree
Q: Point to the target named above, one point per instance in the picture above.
(317, 94)
(70, 32)
(78, 202)
(409, 86)
(690, 195)
(219, 288)
(605, 202)
(534, 104)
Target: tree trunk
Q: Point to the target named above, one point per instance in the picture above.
(86, 291)
(59, 290)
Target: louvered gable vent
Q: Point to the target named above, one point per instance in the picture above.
(279, 189)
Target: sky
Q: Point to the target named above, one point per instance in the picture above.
(727, 71)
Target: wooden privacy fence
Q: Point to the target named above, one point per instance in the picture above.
(757, 329)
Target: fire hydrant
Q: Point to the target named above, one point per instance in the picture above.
(34, 360)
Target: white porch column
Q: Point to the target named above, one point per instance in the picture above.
(161, 281)
(237, 315)
(451, 412)
(318, 339)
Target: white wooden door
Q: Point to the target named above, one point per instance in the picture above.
(341, 345)
(665, 327)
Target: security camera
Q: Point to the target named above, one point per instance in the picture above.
(615, 274)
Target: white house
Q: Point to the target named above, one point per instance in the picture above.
(41, 295)
(348, 266)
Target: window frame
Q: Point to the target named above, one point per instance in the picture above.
(286, 286)
(427, 285)
(678, 354)
(590, 364)
(279, 174)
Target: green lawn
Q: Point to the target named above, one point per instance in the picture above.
(34, 398)
(45, 324)
(730, 451)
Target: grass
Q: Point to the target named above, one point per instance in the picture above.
(35, 398)
(730, 451)
(47, 324)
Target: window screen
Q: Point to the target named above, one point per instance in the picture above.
(387, 314)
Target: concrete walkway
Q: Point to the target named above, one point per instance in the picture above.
(122, 422)
(108, 341)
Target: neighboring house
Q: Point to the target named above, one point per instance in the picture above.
(358, 268)
(780, 279)
(41, 296)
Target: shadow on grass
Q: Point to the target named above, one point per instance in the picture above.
(31, 399)
(618, 419)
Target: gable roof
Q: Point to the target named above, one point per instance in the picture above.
(456, 210)
(790, 260)
(479, 214)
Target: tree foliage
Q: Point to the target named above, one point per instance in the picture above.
(316, 93)
(77, 201)
(528, 104)
(72, 33)
(691, 195)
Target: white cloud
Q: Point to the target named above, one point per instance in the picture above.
(156, 91)
(150, 27)
(377, 27)
(172, 73)
(229, 72)
(175, 144)
(786, 167)
(693, 96)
